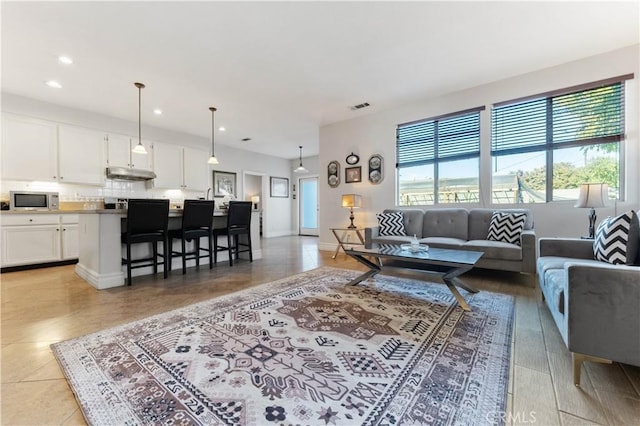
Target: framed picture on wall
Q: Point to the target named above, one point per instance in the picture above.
(279, 187)
(353, 174)
(224, 183)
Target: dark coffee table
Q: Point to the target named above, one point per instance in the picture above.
(448, 264)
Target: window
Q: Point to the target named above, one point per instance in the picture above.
(439, 159)
(543, 148)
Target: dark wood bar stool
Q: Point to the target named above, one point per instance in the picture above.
(147, 222)
(238, 223)
(197, 222)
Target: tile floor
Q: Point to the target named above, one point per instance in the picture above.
(43, 306)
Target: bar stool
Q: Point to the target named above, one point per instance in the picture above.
(197, 222)
(238, 223)
(147, 222)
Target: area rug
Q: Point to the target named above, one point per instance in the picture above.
(304, 350)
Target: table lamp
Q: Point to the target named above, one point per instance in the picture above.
(592, 195)
(351, 201)
(255, 200)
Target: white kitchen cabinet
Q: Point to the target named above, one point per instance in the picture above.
(119, 152)
(196, 169)
(69, 236)
(38, 238)
(81, 155)
(167, 165)
(29, 149)
(179, 167)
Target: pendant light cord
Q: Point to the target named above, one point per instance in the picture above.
(140, 86)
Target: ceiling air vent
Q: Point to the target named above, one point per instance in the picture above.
(245, 139)
(359, 106)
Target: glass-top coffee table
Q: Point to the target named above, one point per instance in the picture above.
(448, 264)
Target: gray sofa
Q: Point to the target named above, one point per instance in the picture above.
(464, 229)
(596, 305)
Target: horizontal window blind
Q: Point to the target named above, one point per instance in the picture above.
(589, 116)
(451, 138)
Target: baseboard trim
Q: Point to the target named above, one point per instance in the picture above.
(37, 266)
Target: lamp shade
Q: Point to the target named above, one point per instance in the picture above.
(593, 195)
(255, 199)
(351, 201)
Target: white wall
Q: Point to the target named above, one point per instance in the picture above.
(375, 134)
(277, 216)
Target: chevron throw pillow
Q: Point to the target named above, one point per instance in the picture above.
(616, 239)
(391, 223)
(506, 227)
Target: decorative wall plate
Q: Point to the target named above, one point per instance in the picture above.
(352, 159)
(376, 172)
(333, 174)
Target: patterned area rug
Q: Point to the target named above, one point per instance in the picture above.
(305, 350)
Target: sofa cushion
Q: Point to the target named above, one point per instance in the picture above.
(479, 220)
(555, 281)
(495, 249)
(616, 239)
(506, 227)
(443, 242)
(546, 263)
(391, 223)
(452, 223)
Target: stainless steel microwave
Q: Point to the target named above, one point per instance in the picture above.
(30, 200)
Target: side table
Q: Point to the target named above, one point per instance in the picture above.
(343, 235)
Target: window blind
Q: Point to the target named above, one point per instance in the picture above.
(450, 137)
(585, 117)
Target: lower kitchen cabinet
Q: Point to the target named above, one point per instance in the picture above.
(29, 239)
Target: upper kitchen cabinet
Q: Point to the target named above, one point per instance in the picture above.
(81, 155)
(179, 167)
(196, 169)
(119, 152)
(29, 149)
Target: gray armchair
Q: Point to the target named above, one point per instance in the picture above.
(595, 305)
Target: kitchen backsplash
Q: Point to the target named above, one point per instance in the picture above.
(80, 194)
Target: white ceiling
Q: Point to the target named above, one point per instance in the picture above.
(277, 71)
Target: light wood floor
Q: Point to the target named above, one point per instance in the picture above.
(44, 306)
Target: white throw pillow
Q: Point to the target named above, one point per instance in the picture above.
(506, 227)
(391, 224)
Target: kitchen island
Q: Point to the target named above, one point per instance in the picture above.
(100, 248)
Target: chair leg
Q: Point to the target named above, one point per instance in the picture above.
(230, 250)
(578, 359)
(155, 257)
(196, 247)
(128, 264)
(166, 258)
(250, 248)
(170, 253)
(184, 255)
(210, 252)
(215, 249)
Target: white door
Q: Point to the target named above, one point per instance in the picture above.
(196, 169)
(308, 219)
(81, 155)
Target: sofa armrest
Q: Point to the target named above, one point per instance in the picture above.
(528, 244)
(370, 233)
(603, 318)
(566, 247)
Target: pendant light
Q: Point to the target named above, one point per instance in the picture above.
(300, 168)
(139, 149)
(212, 159)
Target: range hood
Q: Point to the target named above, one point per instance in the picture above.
(126, 173)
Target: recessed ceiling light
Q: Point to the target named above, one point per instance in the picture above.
(65, 60)
(222, 129)
(54, 84)
(157, 111)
